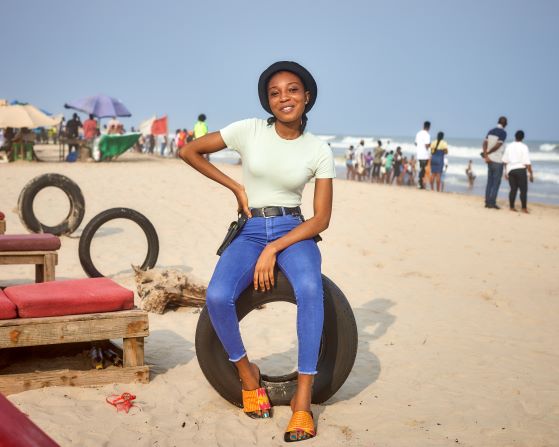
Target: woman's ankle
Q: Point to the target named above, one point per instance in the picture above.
(249, 374)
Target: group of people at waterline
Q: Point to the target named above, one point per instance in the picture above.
(387, 166)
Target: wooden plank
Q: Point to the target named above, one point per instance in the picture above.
(78, 317)
(51, 260)
(53, 330)
(133, 349)
(23, 253)
(17, 383)
(21, 258)
(45, 271)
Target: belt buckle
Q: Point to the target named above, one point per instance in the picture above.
(273, 215)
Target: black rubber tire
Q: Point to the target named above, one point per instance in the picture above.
(71, 189)
(337, 352)
(102, 218)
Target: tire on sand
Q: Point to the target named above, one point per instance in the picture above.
(30, 191)
(335, 360)
(102, 218)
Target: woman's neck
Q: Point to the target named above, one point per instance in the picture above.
(288, 131)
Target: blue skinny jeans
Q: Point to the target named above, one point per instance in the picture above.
(234, 272)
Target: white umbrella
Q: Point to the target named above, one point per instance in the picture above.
(25, 116)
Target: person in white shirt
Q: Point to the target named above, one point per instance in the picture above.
(422, 148)
(360, 160)
(517, 165)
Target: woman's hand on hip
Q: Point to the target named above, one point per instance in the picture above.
(242, 202)
(264, 270)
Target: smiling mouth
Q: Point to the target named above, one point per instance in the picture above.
(287, 109)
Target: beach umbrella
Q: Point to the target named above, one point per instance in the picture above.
(100, 106)
(29, 116)
(17, 102)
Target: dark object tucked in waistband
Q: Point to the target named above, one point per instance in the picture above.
(234, 229)
(274, 211)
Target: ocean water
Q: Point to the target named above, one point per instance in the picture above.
(544, 156)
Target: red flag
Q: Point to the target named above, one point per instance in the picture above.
(159, 126)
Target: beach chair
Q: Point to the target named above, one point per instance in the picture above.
(2, 223)
(65, 317)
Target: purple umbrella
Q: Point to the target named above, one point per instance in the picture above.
(101, 106)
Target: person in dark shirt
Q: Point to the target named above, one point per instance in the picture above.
(493, 149)
(72, 130)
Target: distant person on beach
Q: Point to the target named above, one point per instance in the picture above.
(422, 149)
(360, 160)
(412, 171)
(180, 139)
(62, 128)
(201, 129)
(377, 161)
(493, 149)
(368, 165)
(397, 168)
(388, 166)
(350, 163)
(439, 149)
(279, 158)
(73, 131)
(517, 165)
(90, 128)
(470, 174)
(113, 126)
(382, 178)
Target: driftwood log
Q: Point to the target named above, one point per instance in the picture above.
(159, 289)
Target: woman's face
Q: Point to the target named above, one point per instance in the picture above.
(287, 96)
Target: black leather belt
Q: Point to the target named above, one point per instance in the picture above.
(274, 211)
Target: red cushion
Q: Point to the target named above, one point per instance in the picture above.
(71, 297)
(7, 308)
(29, 242)
(2, 215)
(17, 430)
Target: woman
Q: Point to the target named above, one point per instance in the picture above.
(279, 158)
(439, 149)
(350, 163)
(398, 157)
(470, 174)
(518, 169)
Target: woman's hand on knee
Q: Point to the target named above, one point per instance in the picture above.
(264, 269)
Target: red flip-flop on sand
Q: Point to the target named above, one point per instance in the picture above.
(122, 402)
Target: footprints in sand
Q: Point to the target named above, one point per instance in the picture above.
(491, 296)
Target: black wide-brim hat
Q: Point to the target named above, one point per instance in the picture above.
(293, 67)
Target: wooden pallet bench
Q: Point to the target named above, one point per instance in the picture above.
(129, 325)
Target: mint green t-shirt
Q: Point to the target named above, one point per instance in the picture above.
(276, 170)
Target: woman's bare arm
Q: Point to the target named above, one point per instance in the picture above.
(192, 153)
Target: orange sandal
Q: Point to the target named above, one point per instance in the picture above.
(255, 401)
(301, 427)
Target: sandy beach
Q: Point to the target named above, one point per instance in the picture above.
(456, 308)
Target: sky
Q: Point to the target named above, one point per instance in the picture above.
(382, 67)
